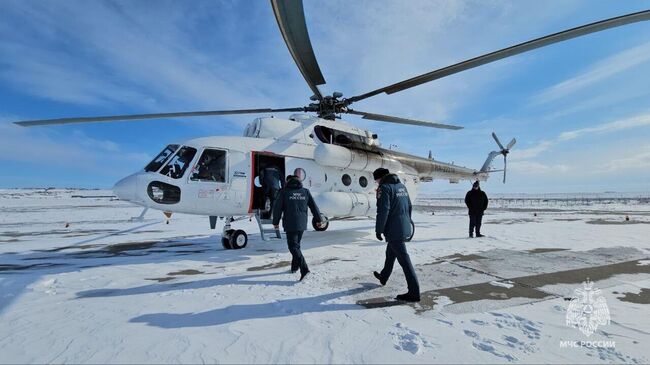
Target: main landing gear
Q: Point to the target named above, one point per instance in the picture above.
(234, 239)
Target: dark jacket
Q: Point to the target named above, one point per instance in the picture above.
(293, 202)
(270, 178)
(476, 201)
(393, 209)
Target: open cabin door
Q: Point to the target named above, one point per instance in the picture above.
(260, 161)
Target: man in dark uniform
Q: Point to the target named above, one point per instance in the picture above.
(270, 178)
(477, 202)
(292, 202)
(394, 222)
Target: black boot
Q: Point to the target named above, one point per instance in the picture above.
(478, 234)
(471, 235)
(378, 276)
(303, 275)
(408, 297)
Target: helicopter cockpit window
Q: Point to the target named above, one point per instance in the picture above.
(211, 167)
(177, 165)
(155, 164)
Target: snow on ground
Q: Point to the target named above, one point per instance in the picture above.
(80, 282)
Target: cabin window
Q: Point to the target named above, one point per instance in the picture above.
(363, 181)
(300, 173)
(346, 180)
(162, 157)
(177, 165)
(211, 166)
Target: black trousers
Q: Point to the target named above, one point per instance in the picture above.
(397, 250)
(475, 222)
(297, 260)
(271, 194)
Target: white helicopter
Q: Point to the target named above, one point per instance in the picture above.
(219, 176)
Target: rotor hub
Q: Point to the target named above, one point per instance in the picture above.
(330, 106)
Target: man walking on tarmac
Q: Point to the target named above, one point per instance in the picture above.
(394, 222)
(477, 202)
(293, 201)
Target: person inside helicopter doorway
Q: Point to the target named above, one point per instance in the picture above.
(270, 178)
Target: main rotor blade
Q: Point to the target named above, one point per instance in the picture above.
(505, 168)
(291, 20)
(388, 118)
(497, 140)
(512, 143)
(508, 52)
(31, 123)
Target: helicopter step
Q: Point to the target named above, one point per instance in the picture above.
(264, 231)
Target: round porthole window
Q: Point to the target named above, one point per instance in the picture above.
(300, 173)
(363, 181)
(346, 179)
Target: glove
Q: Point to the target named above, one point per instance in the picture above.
(379, 237)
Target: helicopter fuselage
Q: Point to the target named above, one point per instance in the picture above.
(332, 158)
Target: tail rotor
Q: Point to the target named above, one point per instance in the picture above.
(504, 151)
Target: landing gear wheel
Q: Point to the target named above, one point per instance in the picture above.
(238, 239)
(326, 223)
(225, 239)
(412, 232)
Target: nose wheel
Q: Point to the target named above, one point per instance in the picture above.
(233, 239)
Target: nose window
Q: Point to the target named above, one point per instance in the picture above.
(163, 193)
(177, 165)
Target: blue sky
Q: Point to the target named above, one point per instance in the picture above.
(579, 109)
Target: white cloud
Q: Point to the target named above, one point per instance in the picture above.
(533, 167)
(546, 145)
(599, 72)
(98, 53)
(634, 122)
(526, 153)
(77, 152)
(378, 43)
(636, 160)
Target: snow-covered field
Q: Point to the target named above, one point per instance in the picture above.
(81, 283)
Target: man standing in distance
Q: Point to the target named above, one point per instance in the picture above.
(394, 222)
(477, 202)
(292, 202)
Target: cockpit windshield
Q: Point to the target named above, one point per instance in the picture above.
(155, 164)
(177, 165)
